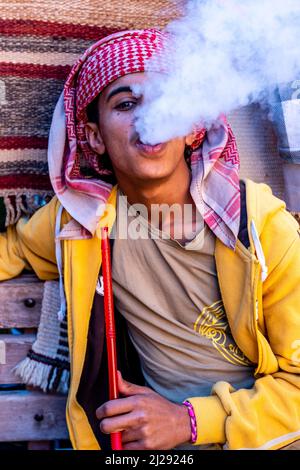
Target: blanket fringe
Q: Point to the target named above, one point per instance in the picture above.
(38, 374)
(18, 203)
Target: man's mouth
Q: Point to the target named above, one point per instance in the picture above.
(149, 149)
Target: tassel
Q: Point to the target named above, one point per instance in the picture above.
(33, 373)
(19, 204)
(37, 374)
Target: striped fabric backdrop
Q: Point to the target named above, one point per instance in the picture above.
(39, 41)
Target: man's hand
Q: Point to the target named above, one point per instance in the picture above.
(146, 419)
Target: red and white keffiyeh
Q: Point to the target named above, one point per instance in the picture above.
(214, 162)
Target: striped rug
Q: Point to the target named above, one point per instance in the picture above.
(39, 41)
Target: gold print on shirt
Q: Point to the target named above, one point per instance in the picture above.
(212, 323)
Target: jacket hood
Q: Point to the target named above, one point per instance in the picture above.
(262, 204)
(263, 208)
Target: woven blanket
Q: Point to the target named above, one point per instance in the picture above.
(39, 41)
(47, 364)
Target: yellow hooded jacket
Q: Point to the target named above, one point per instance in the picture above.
(260, 288)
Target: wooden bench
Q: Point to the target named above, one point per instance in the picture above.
(26, 414)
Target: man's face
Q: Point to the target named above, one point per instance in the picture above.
(116, 135)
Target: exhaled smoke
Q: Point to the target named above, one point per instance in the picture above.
(227, 53)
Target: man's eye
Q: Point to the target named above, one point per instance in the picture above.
(126, 105)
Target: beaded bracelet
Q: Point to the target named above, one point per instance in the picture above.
(193, 420)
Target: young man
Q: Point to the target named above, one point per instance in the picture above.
(208, 323)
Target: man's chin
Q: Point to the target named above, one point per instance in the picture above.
(153, 176)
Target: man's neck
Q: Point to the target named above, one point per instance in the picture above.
(175, 190)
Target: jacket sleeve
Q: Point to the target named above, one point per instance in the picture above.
(266, 416)
(30, 244)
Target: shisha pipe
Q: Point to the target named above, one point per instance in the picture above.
(110, 330)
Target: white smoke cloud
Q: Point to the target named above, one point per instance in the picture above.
(227, 54)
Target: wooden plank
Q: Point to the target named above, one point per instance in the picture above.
(32, 416)
(13, 348)
(21, 301)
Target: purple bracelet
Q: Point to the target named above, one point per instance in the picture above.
(193, 420)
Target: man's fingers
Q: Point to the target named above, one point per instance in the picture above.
(128, 388)
(115, 407)
(131, 435)
(136, 445)
(120, 423)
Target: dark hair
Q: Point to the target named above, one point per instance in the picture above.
(92, 110)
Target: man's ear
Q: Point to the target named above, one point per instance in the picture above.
(94, 138)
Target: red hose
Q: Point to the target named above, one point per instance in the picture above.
(110, 330)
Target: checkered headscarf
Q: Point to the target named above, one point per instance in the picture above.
(102, 64)
(214, 162)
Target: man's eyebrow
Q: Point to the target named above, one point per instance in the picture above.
(121, 89)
